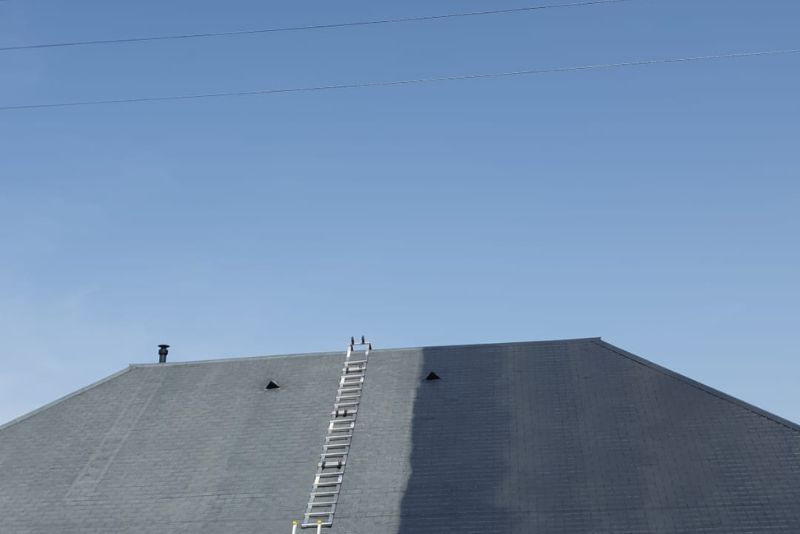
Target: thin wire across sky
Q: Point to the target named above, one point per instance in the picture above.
(352, 24)
(413, 81)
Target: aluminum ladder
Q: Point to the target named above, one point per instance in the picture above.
(333, 460)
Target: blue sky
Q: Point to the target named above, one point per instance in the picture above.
(656, 206)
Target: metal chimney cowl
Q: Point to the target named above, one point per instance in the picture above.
(162, 353)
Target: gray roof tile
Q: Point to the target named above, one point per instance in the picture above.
(562, 436)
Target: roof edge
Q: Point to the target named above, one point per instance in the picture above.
(75, 393)
(698, 385)
(340, 352)
(239, 359)
(506, 343)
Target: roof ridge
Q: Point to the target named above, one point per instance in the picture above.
(240, 359)
(505, 343)
(699, 385)
(376, 350)
(59, 400)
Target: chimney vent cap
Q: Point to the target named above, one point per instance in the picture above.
(162, 353)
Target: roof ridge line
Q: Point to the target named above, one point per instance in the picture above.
(505, 343)
(241, 358)
(376, 350)
(699, 385)
(59, 400)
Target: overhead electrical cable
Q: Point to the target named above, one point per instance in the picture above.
(411, 81)
(309, 27)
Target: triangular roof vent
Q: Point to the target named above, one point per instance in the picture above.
(432, 376)
(272, 385)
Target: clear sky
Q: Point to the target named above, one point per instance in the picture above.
(656, 207)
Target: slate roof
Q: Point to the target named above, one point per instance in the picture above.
(537, 437)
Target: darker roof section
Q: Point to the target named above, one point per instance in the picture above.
(702, 387)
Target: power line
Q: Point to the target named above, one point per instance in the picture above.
(310, 27)
(364, 85)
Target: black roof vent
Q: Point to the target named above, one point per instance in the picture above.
(162, 353)
(432, 376)
(272, 385)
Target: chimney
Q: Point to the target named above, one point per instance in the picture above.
(162, 353)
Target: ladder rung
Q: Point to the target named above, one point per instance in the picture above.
(348, 378)
(324, 493)
(332, 459)
(339, 470)
(322, 503)
(325, 484)
(337, 439)
(319, 514)
(345, 440)
(337, 463)
(343, 419)
(320, 476)
(320, 511)
(343, 447)
(331, 497)
(326, 455)
(340, 425)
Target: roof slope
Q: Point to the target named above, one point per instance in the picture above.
(562, 436)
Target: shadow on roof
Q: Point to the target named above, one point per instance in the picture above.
(460, 440)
